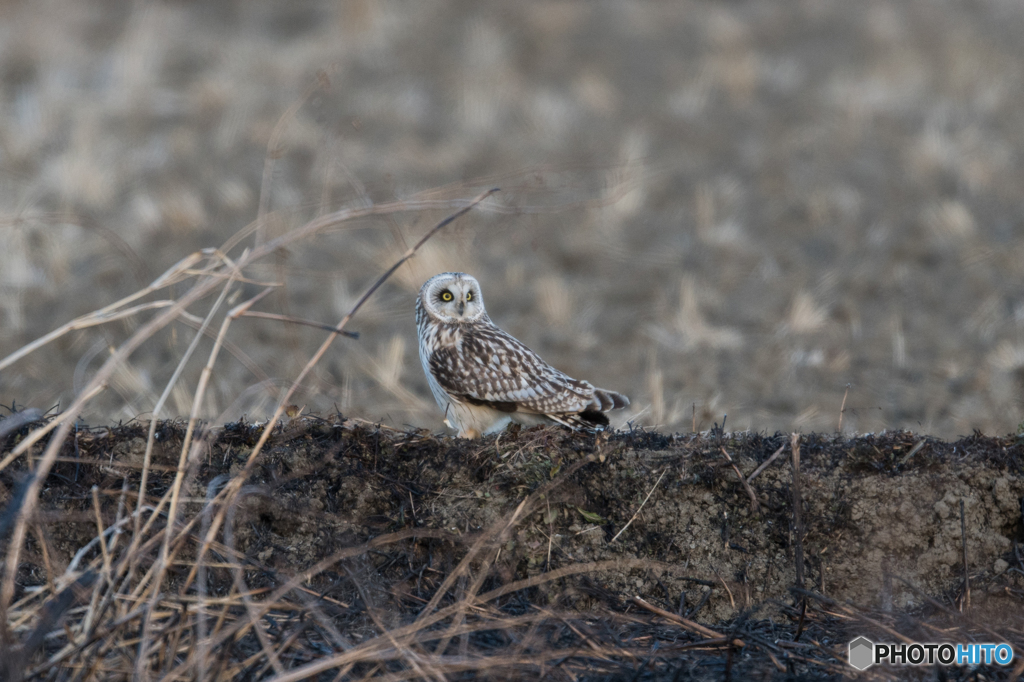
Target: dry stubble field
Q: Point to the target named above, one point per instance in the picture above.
(736, 208)
(802, 215)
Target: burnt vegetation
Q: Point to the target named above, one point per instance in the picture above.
(358, 550)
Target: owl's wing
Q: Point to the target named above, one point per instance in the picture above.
(490, 367)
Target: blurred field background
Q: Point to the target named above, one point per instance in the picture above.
(742, 208)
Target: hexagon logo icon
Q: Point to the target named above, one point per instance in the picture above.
(862, 653)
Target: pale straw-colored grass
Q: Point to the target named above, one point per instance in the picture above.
(162, 528)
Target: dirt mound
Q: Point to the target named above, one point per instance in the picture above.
(379, 525)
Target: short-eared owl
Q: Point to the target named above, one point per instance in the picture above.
(482, 378)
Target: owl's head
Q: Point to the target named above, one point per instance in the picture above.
(452, 297)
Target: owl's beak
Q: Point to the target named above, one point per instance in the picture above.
(462, 307)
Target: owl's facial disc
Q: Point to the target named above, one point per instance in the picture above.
(458, 299)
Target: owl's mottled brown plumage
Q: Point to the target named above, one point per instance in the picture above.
(483, 378)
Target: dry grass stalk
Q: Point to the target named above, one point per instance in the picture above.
(746, 484)
(637, 513)
(798, 524)
(690, 625)
(765, 464)
(965, 601)
(857, 614)
(842, 409)
(208, 269)
(120, 606)
(296, 320)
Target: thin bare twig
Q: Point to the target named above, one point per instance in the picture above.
(204, 379)
(62, 423)
(996, 637)
(842, 409)
(112, 312)
(914, 450)
(853, 612)
(628, 523)
(232, 487)
(965, 602)
(746, 486)
(765, 464)
(297, 320)
(688, 624)
(798, 522)
(151, 438)
(732, 601)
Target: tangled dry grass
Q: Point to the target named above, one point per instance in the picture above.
(332, 560)
(207, 271)
(175, 576)
(150, 550)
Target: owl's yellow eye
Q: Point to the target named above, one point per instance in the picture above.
(447, 297)
(469, 296)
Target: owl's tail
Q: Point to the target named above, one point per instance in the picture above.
(594, 417)
(605, 400)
